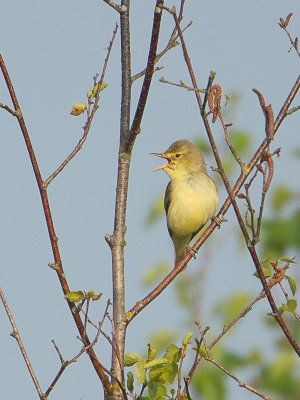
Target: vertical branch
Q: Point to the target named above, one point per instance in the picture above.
(126, 70)
(127, 139)
(135, 128)
(117, 241)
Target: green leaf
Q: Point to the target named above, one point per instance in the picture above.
(156, 362)
(157, 374)
(187, 339)
(156, 390)
(201, 351)
(292, 284)
(287, 260)
(151, 353)
(130, 381)
(265, 260)
(170, 372)
(161, 339)
(290, 307)
(131, 358)
(75, 297)
(140, 372)
(172, 353)
(267, 273)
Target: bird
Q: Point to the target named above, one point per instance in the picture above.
(191, 197)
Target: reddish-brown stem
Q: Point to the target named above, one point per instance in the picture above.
(52, 235)
(136, 124)
(271, 128)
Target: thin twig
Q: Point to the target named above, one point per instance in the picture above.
(242, 314)
(52, 235)
(12, 112)
(65, 364)
(170, 45)
(89, 118)
(181, 85)
(15, 334)
(115, 6)
(213, 361)
(294, 42)
(241, 384)
(271, 128)
(136, 124)
(292, 110)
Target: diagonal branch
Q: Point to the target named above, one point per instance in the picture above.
(90, 117)
(52, 235)
(244, 174)
(16, 335)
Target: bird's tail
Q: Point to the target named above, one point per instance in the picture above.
(180, 252)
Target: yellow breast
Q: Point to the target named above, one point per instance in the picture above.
(193, 203)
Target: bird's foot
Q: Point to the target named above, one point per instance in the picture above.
(192, 251)
(218, 220)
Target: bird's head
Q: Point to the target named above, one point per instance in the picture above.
(183, 158)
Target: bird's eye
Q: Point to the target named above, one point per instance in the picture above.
(177, 155)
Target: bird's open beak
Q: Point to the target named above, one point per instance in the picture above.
(162, 156)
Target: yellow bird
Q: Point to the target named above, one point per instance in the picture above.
(191, 197)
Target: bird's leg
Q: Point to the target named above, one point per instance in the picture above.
(192, 251)
(218, 220)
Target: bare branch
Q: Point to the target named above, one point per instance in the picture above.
(241, 384)
(115, 6)
(89, 118)
(294, 42)
(15, 334)
(52, 235)
(135, 127)
(271, 128)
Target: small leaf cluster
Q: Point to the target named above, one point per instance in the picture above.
(155, 374)
(291, 304)
(79, 295)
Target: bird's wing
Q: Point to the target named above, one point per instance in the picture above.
(167, 200)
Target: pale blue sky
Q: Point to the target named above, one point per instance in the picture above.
(52, 50)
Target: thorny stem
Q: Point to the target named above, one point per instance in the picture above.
(51, 231)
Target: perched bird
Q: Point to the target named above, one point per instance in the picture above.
(191, 197)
